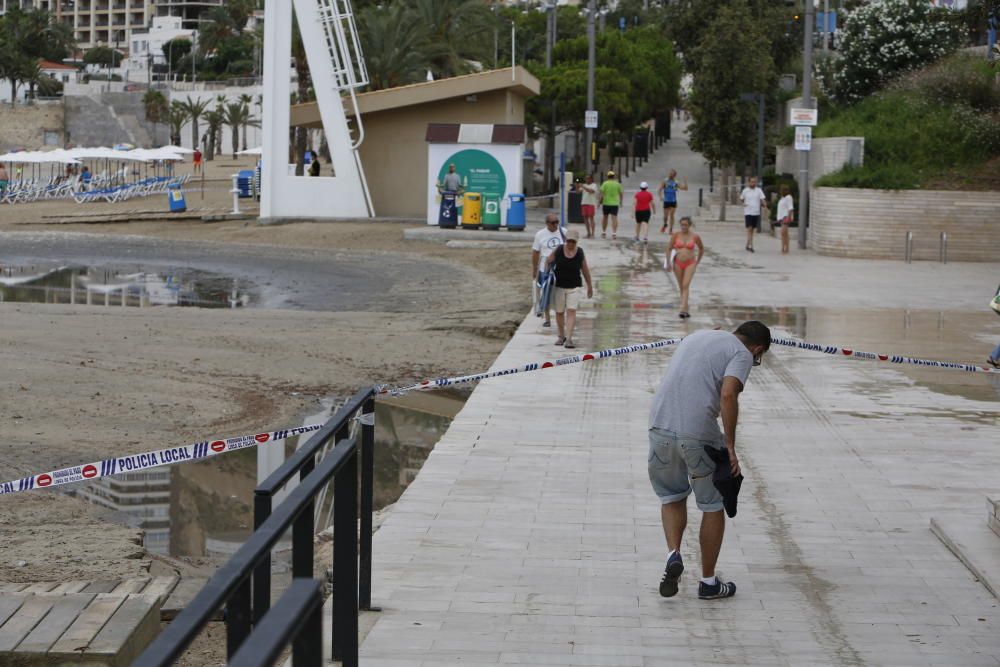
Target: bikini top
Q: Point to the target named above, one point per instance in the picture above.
(678, 244)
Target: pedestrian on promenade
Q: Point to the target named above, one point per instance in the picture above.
(683, 260)
(611, 199)
(705, 377)
(546, 241)
(994, 358)
(570, 265)
(754, 200)
(668, 190)
(196, 156)
(643, 211)
(786, 206)
(314, 166)
(588, 203)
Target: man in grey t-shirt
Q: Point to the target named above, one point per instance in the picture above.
(704, 379)
(452, 181)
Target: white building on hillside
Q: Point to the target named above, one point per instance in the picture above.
(146, 46)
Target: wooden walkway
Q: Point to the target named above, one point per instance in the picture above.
(96, 622)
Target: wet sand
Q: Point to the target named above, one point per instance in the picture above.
(85, 382)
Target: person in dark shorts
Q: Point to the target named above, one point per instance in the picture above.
(643, 211)
(704, 380)
(611, 198)
(668, 189)
(754, 202)
(571, 269)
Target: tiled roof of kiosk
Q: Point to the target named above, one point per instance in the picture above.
(466, 133)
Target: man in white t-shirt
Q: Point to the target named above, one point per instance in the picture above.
(686, 447)
(754, 200)
(546, 240)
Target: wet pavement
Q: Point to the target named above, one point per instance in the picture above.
(531, 535)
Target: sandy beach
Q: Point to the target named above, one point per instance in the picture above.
(354, 304)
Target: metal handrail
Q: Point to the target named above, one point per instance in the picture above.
(231, 584)
(297, 618)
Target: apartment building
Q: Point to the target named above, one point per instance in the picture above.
(111, 22)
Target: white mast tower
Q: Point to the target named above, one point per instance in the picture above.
(337, 66)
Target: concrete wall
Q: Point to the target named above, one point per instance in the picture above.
(394, 153)
(26, 126)
(827, 156)
(855, 222)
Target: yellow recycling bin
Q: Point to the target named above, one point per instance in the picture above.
(472, 210)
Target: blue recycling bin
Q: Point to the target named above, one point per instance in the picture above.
(244, 183)
(515, 215)
(448, 213)
(176, 196)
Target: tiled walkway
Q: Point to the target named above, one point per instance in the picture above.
(531, 535)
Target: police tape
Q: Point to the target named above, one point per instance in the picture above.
(134, 462)
(618, 351)
(881, 356)
(208, 448)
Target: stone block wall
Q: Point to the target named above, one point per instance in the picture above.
(827, 156)
(25, 126)
(872, 224)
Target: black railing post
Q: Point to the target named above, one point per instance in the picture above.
(238, 618)
(345, 564)
(367, 503)
(262, 573)
(701, 197)
(303, 531)
(307, 647)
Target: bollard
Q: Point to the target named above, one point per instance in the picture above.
(711, 178)
(908, 250)
(236, 194)
(701, 193)
(943, 252)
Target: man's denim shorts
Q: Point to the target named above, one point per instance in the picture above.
(678, 463)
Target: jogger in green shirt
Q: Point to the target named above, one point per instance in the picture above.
(611, 199)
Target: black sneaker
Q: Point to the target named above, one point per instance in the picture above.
(671, 575)
(721, 589)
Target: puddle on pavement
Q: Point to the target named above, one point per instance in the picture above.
(123, 285)
(205, 509)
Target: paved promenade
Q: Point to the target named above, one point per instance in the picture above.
(531, 535)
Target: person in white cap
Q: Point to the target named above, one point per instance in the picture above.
(571, 269)
(643, 211)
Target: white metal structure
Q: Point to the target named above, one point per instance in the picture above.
(337, 67)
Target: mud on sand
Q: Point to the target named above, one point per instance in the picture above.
(81, 383)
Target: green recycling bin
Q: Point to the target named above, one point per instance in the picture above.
(491, 211)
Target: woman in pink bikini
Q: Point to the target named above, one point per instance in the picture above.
(684, 261)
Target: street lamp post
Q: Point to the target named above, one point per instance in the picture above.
(591, 57)
(759, 99)
(807, 57)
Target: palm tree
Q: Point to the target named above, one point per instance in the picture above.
(155, 105)
(177, 115)
(217, 27)
(214, 120)
(247, 100)
(459, 28)
(396, 46)
(220, 105)
(237, 115)
(194, 109)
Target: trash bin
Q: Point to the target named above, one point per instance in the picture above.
(244, 183)
(448, 213)
(176, 197)
(515, 215)
(472, 210)
(491, 211)
(574, 207)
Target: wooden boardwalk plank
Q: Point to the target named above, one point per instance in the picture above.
(70, 587)
(182, 594)
(23, 621)
(76, 640)
(40, 587)
(65, 610)
(8, 605)
(130, 586)
(12, 588)
(130, 629)
(100, 587)
(161, 587)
